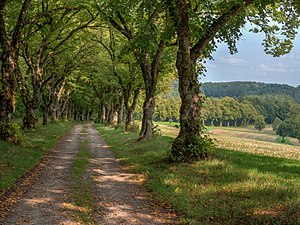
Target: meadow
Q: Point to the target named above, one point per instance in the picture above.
(246, 140)
(245, 181)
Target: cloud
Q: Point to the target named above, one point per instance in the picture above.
(232, 60)
(280, 68)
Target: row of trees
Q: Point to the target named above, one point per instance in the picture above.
(65, 57)
(228, 112)
(239, 89)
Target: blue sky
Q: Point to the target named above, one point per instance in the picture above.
(252, 64)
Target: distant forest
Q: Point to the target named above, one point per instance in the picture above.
(241, 89)
(238, 104)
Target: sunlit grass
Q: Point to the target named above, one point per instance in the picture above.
(81, 185)
(233, 187)
(245, 142)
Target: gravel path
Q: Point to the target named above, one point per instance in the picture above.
(122, 199)
(118, 195)
(44, 202)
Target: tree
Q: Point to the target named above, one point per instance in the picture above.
(145, 25)
(48, 36)
(285, 129)
(199, 25)
(260, 123)
(125, 70)
(10, 41)
(276, 124)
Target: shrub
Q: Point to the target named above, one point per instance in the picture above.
(199, 148)
(134, 127)
(11, 132)
(156, 131)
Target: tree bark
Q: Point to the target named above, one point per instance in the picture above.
(148, 109)
(8, 92)
(150, 76)
(120, 111)
(130, 109)
(45, 115)
(10, 49)
(189, 87)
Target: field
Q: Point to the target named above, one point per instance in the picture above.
(246, 140)
(246, 181)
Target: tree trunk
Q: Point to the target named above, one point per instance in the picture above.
(8, 91)
(30, 120)
(148, 109)
(129, 120)
(189, 87)
(10, 49)
(53, 114)
(45, 116)
(130, 109)
(101, 113)
(150, 76)
(120, 112)
(64, 109)
(189, 90)
(31, 103)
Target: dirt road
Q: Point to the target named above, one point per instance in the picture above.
(118, 196)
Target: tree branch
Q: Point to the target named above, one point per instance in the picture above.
(3, 33)
(157, 57)
(20, 24)
(216, 26)
(124, 30)
(72, 33)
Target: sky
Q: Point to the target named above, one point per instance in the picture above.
(252, 64)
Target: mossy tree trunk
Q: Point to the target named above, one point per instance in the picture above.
(130, 108)
(9, 86)
(150, 76)
(187, 55)
(10, 44)
(120, 111)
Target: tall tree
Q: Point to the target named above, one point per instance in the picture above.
(144, 25)
(47, 35)
(10, 40)
(199, 25)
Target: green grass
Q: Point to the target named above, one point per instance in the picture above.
(15, 161)
(231, 188)
(81, 185)
(286, 140)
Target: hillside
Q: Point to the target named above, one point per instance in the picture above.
(239, 89)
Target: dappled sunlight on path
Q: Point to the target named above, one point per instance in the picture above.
(44, 201)
(122, 200)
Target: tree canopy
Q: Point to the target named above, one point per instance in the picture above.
(95, 59)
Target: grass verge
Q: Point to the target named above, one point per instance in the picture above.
(81, 185)
(231, 188)
(15, 161)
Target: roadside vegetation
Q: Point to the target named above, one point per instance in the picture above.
(81, 185)
(15, 161)
(232, 187)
